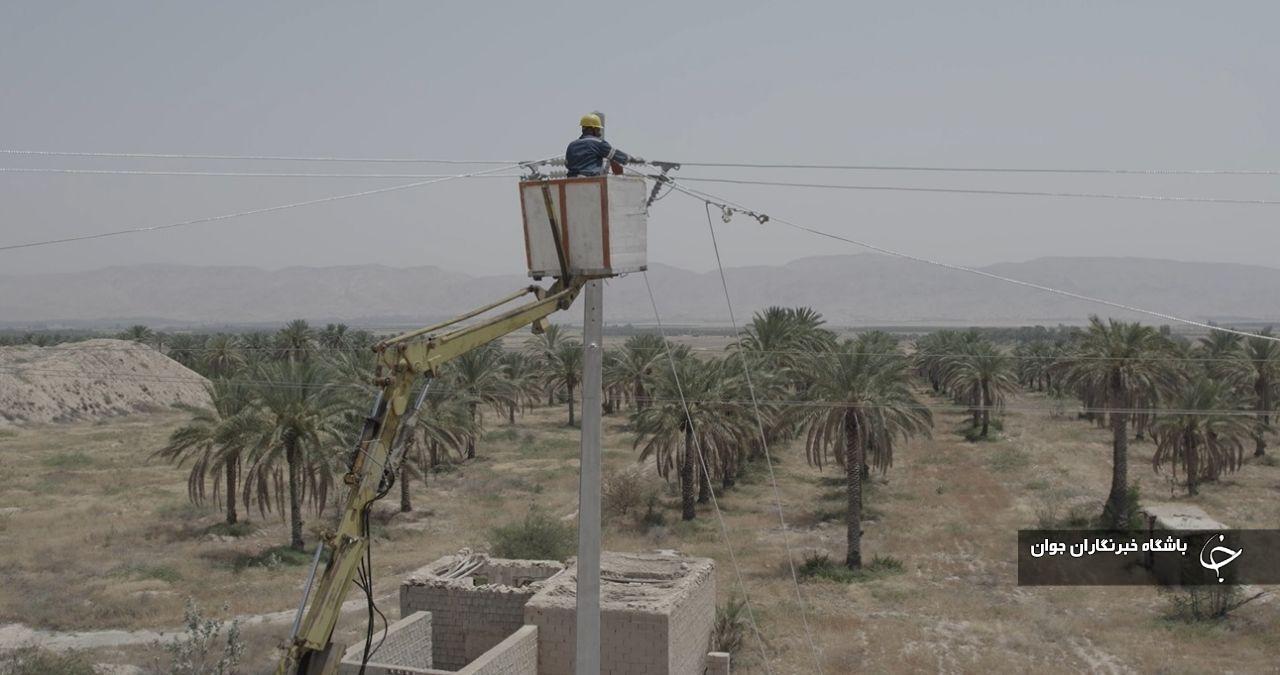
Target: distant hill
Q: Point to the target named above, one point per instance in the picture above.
(850, 290)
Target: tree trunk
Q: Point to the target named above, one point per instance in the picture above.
(295, 498)
(570, 388)
(639, 394)
(433, 453)
(511, 414)
(704, 486)
(853, 481)
(986, 408)
(405, 505)
(1263, 391)
(471, 438)
(686, 478)
(1192, 465)
(1116, 512)
(232, 517)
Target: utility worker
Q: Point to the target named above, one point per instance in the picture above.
(587, 155)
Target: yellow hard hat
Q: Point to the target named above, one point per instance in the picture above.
(591, 120)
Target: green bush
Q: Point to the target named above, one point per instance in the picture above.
(272, 558)
(538, 537)
(240, 529)
(38, 661)
(69, 460)
(731, 626)
(1193, 604)
(821, 566)
(653, 515)
(163, 573)
(1009, 459)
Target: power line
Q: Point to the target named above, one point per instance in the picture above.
(746, 165)
(235, 174)
(890, 188)
(715, 503)
(254, 158)
(730, 206)
(252, 212)
(764, 444)
(998, 193)
(990, 169)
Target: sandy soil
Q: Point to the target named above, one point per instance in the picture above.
(101, 539)
(62, 383)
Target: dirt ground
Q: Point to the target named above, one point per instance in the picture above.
(94, 537)
(89, 380)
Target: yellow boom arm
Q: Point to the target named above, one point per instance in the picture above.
(401, 361)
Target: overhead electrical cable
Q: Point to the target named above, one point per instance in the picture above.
(253, 158)
(764, 445)
(729, 206)
(237, 174)
(702, 459)
(253, 212)
(985, 192)
(990, 169)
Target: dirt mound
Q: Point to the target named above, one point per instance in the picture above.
(90, 380)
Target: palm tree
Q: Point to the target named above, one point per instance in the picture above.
(1035, 363)
(215, 440)
(523, 378)
(334, 336)
(634, 367)
(983, 376)
(1202, 435)
(541, 346)
(866, 405)
(296, 340)
(1219, 346)
(444, 422)
(185, 348)
(222, 355)
(710, 432)
(138, 333)
(933, 351)
(477, 378)
(1255, 367)
(564, 370)
(1118, 364)
(782, 337)
(302, 411)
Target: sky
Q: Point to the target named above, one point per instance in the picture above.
(1156, 85)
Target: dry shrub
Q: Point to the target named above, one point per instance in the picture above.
(33, 660)
(623, 492)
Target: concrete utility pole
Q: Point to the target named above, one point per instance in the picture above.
(588, 628)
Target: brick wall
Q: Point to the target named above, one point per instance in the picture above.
(406, 649)
(466, 622)
(690, 624)
(516, 655)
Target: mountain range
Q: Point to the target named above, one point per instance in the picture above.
(850, 290)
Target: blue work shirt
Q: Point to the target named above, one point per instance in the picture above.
(586, 156)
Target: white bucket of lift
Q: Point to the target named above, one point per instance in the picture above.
(603, 224)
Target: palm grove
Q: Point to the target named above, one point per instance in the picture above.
(285, 405)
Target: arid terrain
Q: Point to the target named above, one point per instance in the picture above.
(100, 548)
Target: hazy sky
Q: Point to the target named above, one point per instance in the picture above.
(1081, 84)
